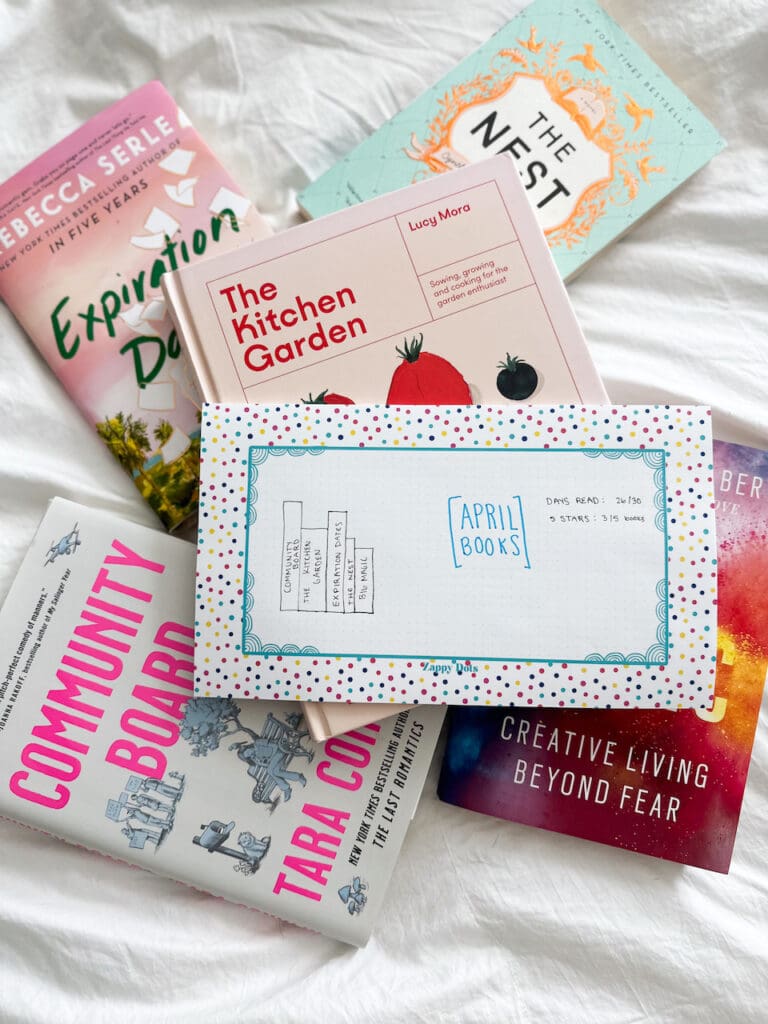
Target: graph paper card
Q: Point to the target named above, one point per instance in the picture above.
(458, 555)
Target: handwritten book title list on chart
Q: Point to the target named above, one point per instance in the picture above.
(323, 569)
(486, 550)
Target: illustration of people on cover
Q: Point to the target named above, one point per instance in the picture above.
(268, 755)
(252, 850)
(146, 818)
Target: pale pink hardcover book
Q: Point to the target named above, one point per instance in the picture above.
(326, 720)
(87, 230)
(444, 292)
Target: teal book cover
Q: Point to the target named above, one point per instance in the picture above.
(599, 133)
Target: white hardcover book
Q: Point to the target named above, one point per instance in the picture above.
(104, 745)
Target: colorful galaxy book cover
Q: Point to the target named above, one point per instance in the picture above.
(87, 231)
(597, 131)
(103, 744)
(668, 784)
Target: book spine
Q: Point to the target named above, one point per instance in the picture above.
(327, 720)
(364, 580)
(337, 546)
(317, 722)
(184, 324)
(291, 564)
(314, 555)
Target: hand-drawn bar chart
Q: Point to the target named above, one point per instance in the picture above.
(322, 568)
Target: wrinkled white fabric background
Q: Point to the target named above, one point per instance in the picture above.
(486, 921)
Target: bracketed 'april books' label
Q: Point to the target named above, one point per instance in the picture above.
(87, 230)
(596, 130)
(664, 783)
(460, 555)
(103, 743)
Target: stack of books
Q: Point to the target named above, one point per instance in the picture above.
(409, 488)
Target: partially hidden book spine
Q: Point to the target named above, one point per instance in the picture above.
(325, 719)
(316, 720)
(184, 324)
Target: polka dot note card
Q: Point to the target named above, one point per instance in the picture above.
(491, 555)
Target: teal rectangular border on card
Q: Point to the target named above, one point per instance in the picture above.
(656, 654)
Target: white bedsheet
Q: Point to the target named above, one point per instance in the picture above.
(486, 921)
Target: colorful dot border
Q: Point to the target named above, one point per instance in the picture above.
(682, 433)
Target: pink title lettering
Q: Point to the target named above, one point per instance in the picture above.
(73, 707)
(307, 868)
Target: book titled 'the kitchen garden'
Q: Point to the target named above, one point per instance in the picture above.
(669, 784)
(102, 742)
(441, 293)
(597, 131)
(87, 230)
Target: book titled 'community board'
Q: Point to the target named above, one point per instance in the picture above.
(102, 742)
(597, 132)
(87, 230)
(669, 784)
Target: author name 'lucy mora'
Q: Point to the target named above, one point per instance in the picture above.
(433, 220)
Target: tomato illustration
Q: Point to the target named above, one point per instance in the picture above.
(517, 379)
(423, 378)
(328, 398)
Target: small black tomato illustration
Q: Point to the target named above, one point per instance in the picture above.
(517, 379)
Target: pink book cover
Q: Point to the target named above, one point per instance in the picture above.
(441, 293)
(668, 784)
(444, 292)
(87, 230)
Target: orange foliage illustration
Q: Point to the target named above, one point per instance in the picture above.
(629, 159)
